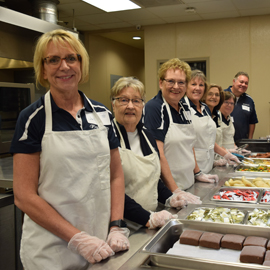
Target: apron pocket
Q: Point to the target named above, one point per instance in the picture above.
(104, 171)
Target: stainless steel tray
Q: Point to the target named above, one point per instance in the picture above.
(248, 178)
(165, 238)
(263, 192)
(260, 208)
(258, 161)
(216, 192)
(250, 173)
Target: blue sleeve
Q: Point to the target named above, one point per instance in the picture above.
(156, 119)
(163, 192)
(253, 118)
(134, 211)
(113, 140)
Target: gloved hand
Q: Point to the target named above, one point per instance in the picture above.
(118, 239)
(244, 151)
(90, 247)
(180, 195)
(209, 178)
(220, 162)
(159, 219)
(232, 159)
(232, 150)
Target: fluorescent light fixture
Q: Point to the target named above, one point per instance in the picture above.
(137, 38)
(110, 5)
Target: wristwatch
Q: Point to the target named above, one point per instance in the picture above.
(119, 223)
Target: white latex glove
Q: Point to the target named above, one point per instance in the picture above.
(118, 239)
(159, 219)
(90, 247)
(232, 150)
(209, 178)
(179, 195)
(244, 151)
(232, 159)
(220, 162)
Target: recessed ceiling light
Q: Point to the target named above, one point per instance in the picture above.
(137, 38)
(190, 10)
(110, 6)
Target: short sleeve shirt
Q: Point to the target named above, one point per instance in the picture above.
(243, 114)
(156, 118)
(30, 126)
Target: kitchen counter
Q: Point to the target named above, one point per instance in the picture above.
(134, 259)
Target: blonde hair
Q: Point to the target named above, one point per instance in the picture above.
(125, 82)
(62, 38)
(174, 63)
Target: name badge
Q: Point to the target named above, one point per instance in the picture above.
(245, 108)
(90, 118)
(232, 119)
(104, 116)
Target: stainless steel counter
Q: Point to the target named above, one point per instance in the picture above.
(134, 259)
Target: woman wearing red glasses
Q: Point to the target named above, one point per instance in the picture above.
(68, 178)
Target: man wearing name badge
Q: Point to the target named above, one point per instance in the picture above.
(244, 114)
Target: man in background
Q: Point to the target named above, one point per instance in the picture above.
(244, 113)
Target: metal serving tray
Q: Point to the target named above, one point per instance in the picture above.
(260, 191)
(251, 173)
(166, 237)
(248, 178)
(262, 209)
(258, 161)
(263, 192)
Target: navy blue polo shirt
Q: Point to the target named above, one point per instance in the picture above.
(30, 126)
(243, 114)
(204, 108)
(156, 118)
(216, 118)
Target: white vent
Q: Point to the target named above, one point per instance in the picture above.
(157, 3)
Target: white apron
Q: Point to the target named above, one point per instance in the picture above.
(227, 134)
(141, 174)
(178, 151)
(75, 181)
(219, 131)
(205, 129)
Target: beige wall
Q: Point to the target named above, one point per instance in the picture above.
(230, 44)
(110, 57)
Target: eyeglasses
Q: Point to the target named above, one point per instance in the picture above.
(125, 101)
(57, 60)
(210, 94)
(173, 82)
(229, 103)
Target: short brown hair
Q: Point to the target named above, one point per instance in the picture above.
(221, 94)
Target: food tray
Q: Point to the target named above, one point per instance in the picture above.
(261, 217)
(238, 170)
(165, 238)
(242, 190)
(262, 161)
(248, 178)
(265, 192)
(236, 219)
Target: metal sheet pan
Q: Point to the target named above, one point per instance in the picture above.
(250, 179)
(251, 173)
(217, 192)
(247, 222)
(165, 238)
(258, 161)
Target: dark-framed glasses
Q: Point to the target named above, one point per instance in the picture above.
(173, 82)
(229, 103)
(125, 101)
(57, 60)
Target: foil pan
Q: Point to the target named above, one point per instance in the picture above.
(170, 233)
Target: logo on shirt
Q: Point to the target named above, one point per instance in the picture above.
(93, 126)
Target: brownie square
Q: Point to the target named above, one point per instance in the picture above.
(252, 254)
(266, 263)
(267, 255)
(232, 241)
(189, 237)
(255, 241)
(268, 245)
(210, 240)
